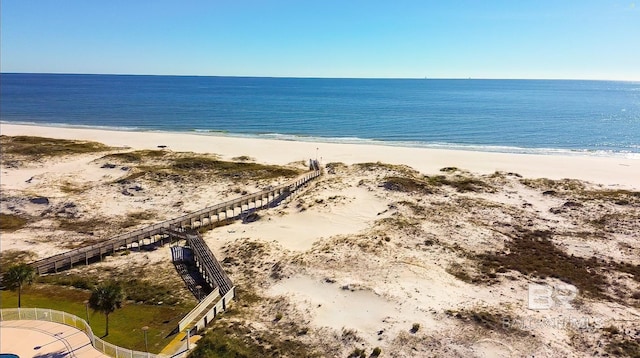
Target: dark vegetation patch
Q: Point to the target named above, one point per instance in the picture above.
(619, 197)
(136, 156)
(334, 166)
(398, 169)
(407, 185)
(138, 173)
(416, 208)
(629, 268)
(402, 223)
(36, 147)
(533, 253)
(496, 322)
(624, 348)
(71, 188)
(449, 169)
(461, 273)
(617, 220)
(178, 167)
(562, 185)
(10, 222)
(249, 250)
(620, 344)
(579, 191)
(232, 169)
(103, 226)
(243, 158)
(86, 226)
(428, 184)
(460, 183)
(13, 257)
(137, 217)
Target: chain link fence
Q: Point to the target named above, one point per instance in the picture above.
(44, 314)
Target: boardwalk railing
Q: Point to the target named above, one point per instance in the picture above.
(44, 314)
(267, 198)
(223, 288)
(208, 264)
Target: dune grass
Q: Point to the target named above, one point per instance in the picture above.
(124, 324)
(429, 184)
(579, 190)
(177, 166)
(10, 222)
(241, 169)
(136, 156)
(36, 147)
(533, 253)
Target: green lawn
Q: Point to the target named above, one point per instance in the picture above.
(124, 324)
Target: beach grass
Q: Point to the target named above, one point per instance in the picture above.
(486, 318)
(429, 184)
(177, 166)
(240, 169)
(534, 253)
(36, 147)
(10, 222)
(398, 169)
(84, 226)
(577, 189)
(136, 156)
(125, 324)
(407, 185)
(71, 188)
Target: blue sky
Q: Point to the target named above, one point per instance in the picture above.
(309, 38)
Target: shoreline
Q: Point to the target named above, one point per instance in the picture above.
(614, 172)
(484, 148)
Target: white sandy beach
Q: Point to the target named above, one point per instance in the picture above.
(602, 170)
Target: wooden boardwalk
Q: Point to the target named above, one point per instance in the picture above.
(208, 264)
(174, 228)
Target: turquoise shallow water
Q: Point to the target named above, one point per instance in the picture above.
(536, 116)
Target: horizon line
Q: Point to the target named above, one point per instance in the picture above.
(329, 77)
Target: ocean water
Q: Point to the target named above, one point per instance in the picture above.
(530, 116)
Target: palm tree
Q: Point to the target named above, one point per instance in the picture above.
(106, 298)
(18, 276)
